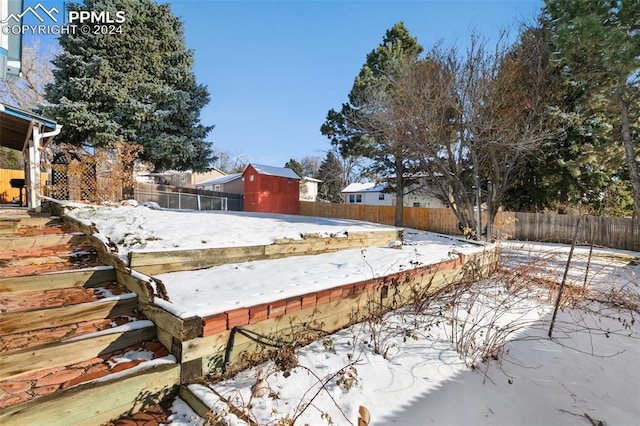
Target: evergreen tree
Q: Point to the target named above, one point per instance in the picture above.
(331, 175)
(351, 129)
(598, 47)
(137, 87)
(295, 166)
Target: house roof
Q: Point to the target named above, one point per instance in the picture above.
(274, 171)
(15, 126)
(220, 179)
(310, 179)
(365, 187)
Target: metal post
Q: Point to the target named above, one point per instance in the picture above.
(564, 278)
(478, 206)
(489, 211)
(199, 207)
(586, 272)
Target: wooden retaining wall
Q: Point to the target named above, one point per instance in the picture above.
(310, 316)
(200, 344)
(154, 262)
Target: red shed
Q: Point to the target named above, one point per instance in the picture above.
(269, 189)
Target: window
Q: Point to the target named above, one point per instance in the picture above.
(358, 198)
(250, 178)
(352, 198)
(216, 187)
(381, 196)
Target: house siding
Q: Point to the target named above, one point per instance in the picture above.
(370, 198)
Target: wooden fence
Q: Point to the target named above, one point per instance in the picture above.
(435, 220)
(7, 193)
(614, 232)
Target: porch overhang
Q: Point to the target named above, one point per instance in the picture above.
(27, 132)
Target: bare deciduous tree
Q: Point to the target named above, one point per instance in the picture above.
(27, 91)
(229, 162)
(468, 118)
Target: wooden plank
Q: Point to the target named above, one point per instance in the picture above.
(334, 315)
(8, 226)
(57, 280)
(210, 256)
(196, 404)
(18, 322)
(191, 370)
(96, 403)
(137, 286)
(167, 340)
(154, 263)
(205, 346)
(180, 328)
(40, 241)
(67, 353)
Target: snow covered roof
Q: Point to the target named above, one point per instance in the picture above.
(365, 187)
(221, 179)
(274, 171)
(310, 179)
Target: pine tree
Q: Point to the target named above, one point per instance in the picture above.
(598, 46)
(352, 131)
(295, 166)
(137, 87)
(331, 175)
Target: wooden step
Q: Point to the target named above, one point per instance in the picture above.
(88, 277)
(46, 240)
(32, 339)
(30, 360)
(89, 398)
(39, 254)
(23, 321)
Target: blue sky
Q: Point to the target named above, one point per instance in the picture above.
(274, 68)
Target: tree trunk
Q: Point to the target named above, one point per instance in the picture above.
(399, 217)
(628, 150)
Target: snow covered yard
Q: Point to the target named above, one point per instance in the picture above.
(217, 289)
(135, 228)
(478, 355)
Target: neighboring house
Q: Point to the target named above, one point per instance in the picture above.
(200, 177)
(271, 189)
(309, 189)
(170, 177)
(229, 183)
(375, 194)
(369, 193)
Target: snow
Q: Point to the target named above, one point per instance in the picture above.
(138, 228)
(133, 325)
(588, 373)
(481, 358)
(237, 285)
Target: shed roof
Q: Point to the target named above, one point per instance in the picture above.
(274, 171)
